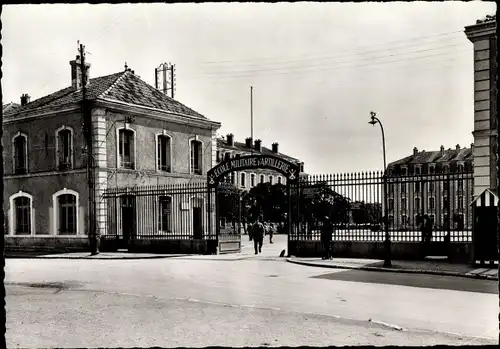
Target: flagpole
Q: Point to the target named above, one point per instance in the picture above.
(251, 117)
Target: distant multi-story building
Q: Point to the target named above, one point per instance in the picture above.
(483, 36)
(436, 183)
(228, 148)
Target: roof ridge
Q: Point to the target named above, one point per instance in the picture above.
(113, 85)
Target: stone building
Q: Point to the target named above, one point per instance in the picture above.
(483, 36)
(228, 148)
(436, 183)
(141, 137)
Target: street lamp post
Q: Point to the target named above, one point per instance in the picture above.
(387, 242)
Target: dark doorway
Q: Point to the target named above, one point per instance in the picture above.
(128, 219)
(197, 220)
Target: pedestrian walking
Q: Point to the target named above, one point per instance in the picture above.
(326, 237)
(271, 232)
(258, 232)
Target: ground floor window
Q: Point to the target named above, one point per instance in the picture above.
(165, 214)
(67, 214)
(22, 215)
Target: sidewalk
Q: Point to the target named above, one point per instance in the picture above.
(421, 267)
(108, 255)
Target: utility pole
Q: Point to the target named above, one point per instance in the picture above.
(87, 120)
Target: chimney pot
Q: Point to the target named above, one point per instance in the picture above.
(76, 73)
(457, 147)
(415, 151)
(275, 147)
(442, 149)
(257, 145)
(230, 139)
(25, 99)
(472, 146)
(248, 142)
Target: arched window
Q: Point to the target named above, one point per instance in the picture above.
(196, 149)
(280, 180)
(126, 148)
(66, 205)
(164, 152)
(20, 152)
(21, 211)
(165, 214)
(252, 180)
(243, 178)
(261, 179)
(64, 148)
(271, 178)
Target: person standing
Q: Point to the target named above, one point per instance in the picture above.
(326, 237)
(271, 232)
(258, 232)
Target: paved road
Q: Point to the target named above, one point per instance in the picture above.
(226, 300)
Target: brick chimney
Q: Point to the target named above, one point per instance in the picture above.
(257, 145)
(415, 151)
(230, 140)
(457, 147)
(76, 73)
(442, 150)
(275, 147)
(25, 99)
(472, 147)
(248, 142)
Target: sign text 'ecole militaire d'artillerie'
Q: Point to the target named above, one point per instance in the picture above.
(288, 169)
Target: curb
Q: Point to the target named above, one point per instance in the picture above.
(391, 270)
(105, 258)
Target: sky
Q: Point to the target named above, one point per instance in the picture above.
(317, 69)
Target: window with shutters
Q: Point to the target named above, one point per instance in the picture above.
(64, 145)
(163, 151)
(196, 157)
(126, 148)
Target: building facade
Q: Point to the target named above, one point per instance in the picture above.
(228, 148)
(483, 36)
(434, 183)
(140, 137)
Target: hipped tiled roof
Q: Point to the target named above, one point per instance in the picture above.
(427, 157)
(122, 87)
(242, 147)
(488, 18)
(9, 107)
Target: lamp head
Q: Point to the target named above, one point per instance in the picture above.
(373, 121)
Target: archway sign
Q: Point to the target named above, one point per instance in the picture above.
(231, 242)
(285, 167)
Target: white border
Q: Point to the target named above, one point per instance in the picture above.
(25, 136)
(197, 139)
(12, 214)
(62, 128)
(170, 143)
(55, 209)
(126, 127)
